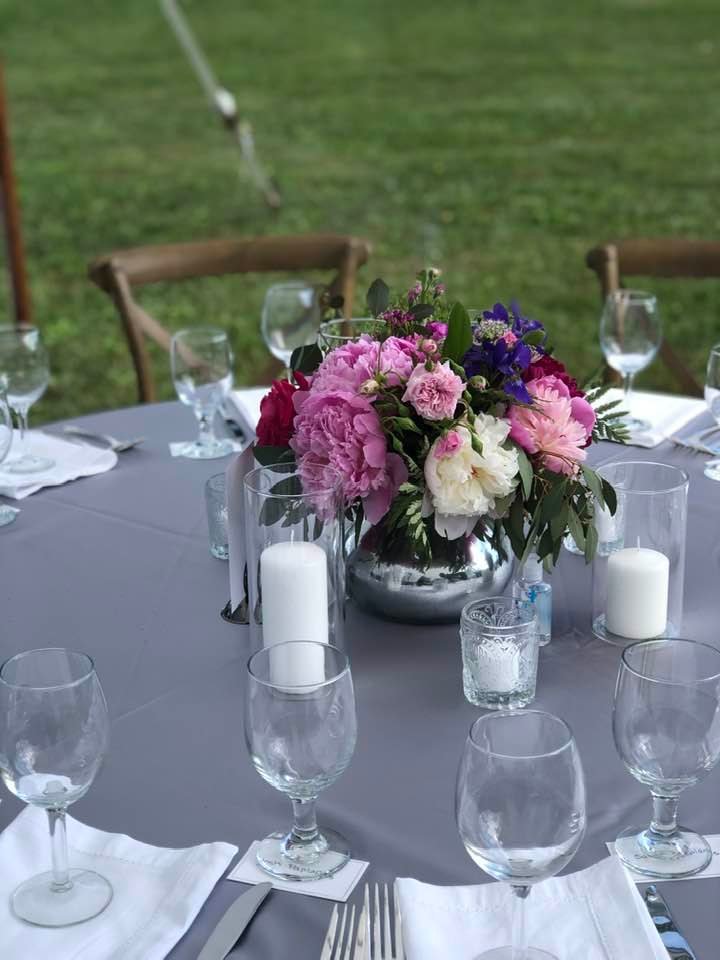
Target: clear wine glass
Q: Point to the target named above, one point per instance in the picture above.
(7, 514)
(300, 729)
(630, 336)
(291, 316)
(202, 370)
(24, 375)
(712, 399)
(54, 733)
(666, 724)
(520, 807)
(336, 333)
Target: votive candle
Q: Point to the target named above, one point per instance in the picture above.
(637, 593)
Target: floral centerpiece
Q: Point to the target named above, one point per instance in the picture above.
(444, 427)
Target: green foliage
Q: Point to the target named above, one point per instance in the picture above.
(459, 335)
(268, 455)
(378, 297)
(306, 359)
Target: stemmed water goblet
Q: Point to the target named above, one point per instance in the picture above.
(666, 725)
(7, 514)
(24, 376)
(712, 399)
(291, 316)
(520, 807)
(630, 336)
(202, 370)
(54, 733)
(300, 729)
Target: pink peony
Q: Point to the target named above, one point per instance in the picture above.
(349, 366)
(557, 427)
(447, 445)
(434, 393)
(337, 430)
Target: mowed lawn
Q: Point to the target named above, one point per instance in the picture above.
(498, 140)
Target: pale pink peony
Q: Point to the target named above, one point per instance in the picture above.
(349, 366)
(557, 426)
(447, 445)
(340, 431)
(434, 393)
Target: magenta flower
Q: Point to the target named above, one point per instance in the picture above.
(337, 432)
(557, 427)
(447, 445)
(434, 393)
(436, 329)
(349, 366)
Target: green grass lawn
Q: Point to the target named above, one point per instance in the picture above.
(498, 139)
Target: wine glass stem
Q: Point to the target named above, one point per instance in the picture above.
(304, 829)
(664, 818)
(206, 433)
(627, 389)
(58, 841)
(519, 935)
(22, 417)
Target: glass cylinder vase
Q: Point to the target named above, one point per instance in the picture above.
(639, 567)
(293, 538)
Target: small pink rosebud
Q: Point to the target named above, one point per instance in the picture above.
(477, 382)
(369, 388)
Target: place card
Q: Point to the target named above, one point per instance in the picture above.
(338, 887)
(711, 870)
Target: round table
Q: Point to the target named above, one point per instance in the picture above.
(118, 565)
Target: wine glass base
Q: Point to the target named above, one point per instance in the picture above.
(28, 464)
(38, 902)
(636, 426)
(508, 953)
(280, 857)
(7, 514)
(712, 470)
(206, 451)
(665, 858)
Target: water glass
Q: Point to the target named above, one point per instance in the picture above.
(7, 514)
(712, 399)
(54, 733)
(300, 729)
(499, 652)
(666, 725)
(24, 376)
(291, 316)
(520, 807)
(217, 516)
(336, 333)
(630, 336)
(202, 370)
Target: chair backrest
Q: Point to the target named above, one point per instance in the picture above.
(117, 273)
(10, 210)
(659, 257)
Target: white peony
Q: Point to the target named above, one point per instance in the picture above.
(463, 485)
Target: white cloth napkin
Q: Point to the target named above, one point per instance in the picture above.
(243, 406)
(72, 460)
(665, 413)
(157, 892)
(596, 914)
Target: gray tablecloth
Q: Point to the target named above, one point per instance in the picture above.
(118, 565)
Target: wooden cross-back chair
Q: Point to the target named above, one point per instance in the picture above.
(661, 257)
(118, 273)
(10, 210)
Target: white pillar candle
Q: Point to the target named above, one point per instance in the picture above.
(637, 593)
(294, 591)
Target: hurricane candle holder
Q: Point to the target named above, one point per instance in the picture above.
(293, 536)
(639, 567)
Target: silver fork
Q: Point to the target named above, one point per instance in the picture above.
(105, 439)
(333, 943)
(385, 924)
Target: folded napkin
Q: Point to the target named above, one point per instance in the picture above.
(157, 892)
(596, 914)
(243, 406)
(72, 460)
(665, 413)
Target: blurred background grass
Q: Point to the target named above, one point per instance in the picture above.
(499, 140)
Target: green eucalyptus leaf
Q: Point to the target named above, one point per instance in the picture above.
(576, 529)
(609, 495)
(422, 311)
(534, 338)
(306, 359)
(378, 297)
(459, 335)
(526, 471)
(553, 501)
(594, 484)
(591, 543)
(268, 455)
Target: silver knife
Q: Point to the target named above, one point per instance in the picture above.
(238, 915)
(674, 942)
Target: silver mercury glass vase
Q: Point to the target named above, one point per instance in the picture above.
(392, 583)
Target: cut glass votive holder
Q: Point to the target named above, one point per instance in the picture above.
(217, 516)
(499, 653)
